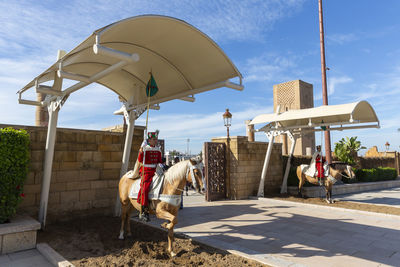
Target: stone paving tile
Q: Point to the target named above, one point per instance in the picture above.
(385, 244)
(337, 261)
(26, 258)
(33, 261)
(389, 197)
(291, 234)
(4, 259)
(23, 254)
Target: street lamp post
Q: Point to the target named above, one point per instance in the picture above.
(227, 123)
(387, 145)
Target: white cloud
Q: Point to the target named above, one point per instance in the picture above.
(334, 81)
(342, 38)
(269, 67)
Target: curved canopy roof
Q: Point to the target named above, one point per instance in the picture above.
(328, 115)
(184, 61)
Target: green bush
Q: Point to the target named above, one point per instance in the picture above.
(374, 175)
(14, 161)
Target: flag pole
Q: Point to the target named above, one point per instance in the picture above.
(144, 138)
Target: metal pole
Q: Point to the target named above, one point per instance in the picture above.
(271, 138)
(48, 162)
(232, 189)
(285, 177)
(125, 156)
(324, 84)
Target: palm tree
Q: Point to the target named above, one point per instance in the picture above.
(346, 149)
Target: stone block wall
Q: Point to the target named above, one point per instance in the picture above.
(85, 174)
(246, 161)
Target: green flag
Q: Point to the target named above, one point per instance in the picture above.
(151, 88)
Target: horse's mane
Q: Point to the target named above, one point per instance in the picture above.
(177, 171)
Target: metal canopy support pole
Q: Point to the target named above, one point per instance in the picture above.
(130, 117)
(271, 137)
(53, 108)
(285, 177)
(48, 161)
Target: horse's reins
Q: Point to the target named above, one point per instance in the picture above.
(344, 175)
(340, 173)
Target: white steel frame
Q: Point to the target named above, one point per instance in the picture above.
(56, 97)
(293, 132)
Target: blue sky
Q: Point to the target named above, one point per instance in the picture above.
(270, 41)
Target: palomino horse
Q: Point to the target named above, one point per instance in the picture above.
(174, 181)
(336, 173)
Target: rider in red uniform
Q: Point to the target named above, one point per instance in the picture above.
(319, 165)
(152, 156)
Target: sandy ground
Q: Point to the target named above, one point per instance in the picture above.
(93, 241)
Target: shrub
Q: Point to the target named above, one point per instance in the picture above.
(14, 160)
(375, 174)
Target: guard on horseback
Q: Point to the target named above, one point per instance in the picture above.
(318, 166)
(150, 156)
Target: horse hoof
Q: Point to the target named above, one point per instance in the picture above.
(173, 254)
(121, 237)
(327, 201)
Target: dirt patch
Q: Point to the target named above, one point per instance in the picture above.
(340, 204)
(93, 241)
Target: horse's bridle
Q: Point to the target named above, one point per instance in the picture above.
(347, 167)
(191, 168)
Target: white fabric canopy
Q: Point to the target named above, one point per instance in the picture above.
(184, 61)
(358, 112)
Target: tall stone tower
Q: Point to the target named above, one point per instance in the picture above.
(295, 95)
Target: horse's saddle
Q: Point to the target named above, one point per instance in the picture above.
(156, 188)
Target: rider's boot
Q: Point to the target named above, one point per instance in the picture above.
(141, 212)
(145, 214)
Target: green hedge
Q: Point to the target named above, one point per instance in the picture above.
(14, 161)
(373, 175)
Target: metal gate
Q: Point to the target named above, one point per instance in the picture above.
(215, 171)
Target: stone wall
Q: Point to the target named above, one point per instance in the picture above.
(374, 153)
(246, 161)
(85, 173)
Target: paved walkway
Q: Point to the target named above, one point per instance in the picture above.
(387, 197)
(26, 258)
(282, 233)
